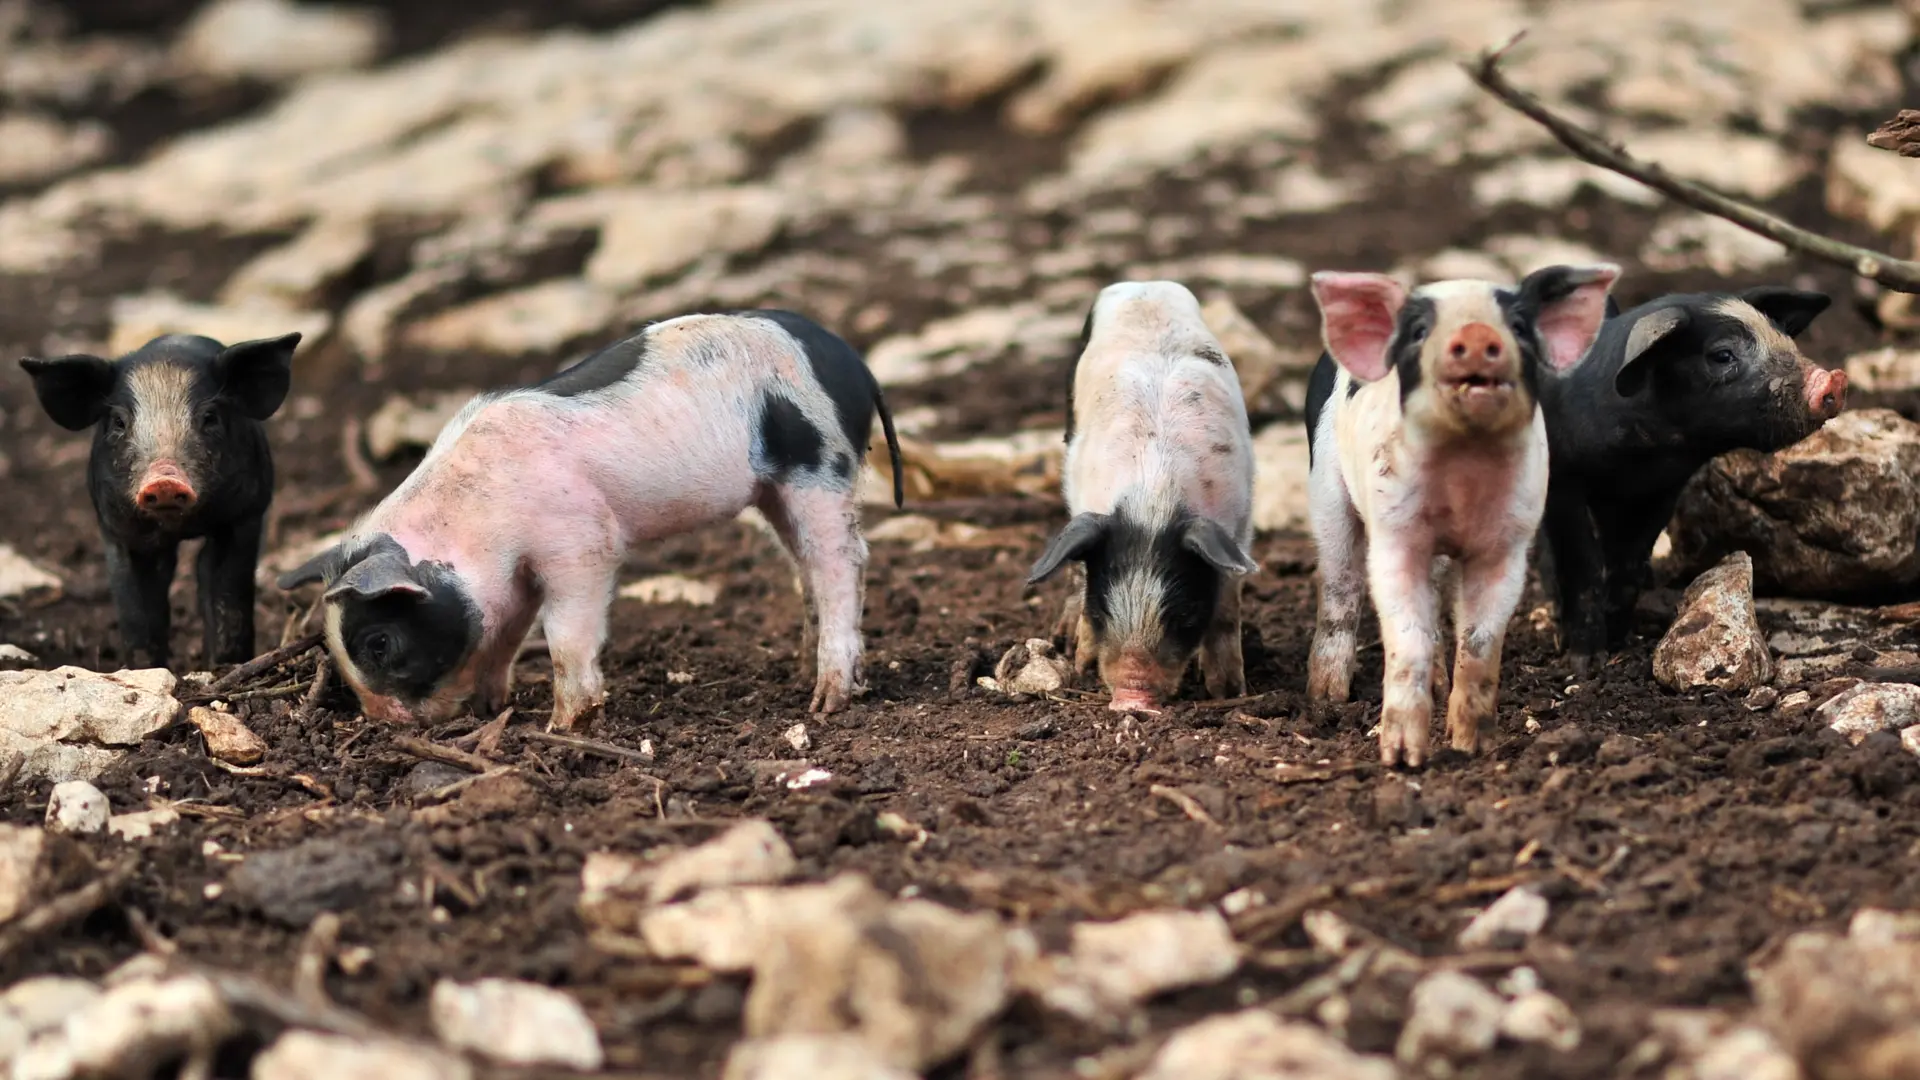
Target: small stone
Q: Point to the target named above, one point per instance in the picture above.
(309, 1055)
(34, 864)
(141, 824)
(20, 577)
(404, 422)
(15, 658)
(1887, 370)
(1910, 739)
(228, 739)
(750, 853)
(1454, 1016)
(1861, 710)
(1538, 1017)
(77, 808)
(1032, 668)
(299, 273)
(671, 589)
(798, 738)
(40, 147)
(278, 40)
(1508, 922)
(540, 318)
(140, 318)
(1256, 360)
(293, 886)
(1113, 966)
(515, 1023)
(37, 1006)
(680, 678)
(136, 1022)
(1257, 1044)
(786, 1057)
(71, 723)
(1716, 641)
(1762, 698)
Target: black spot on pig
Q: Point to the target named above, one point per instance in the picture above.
(605, 368)
(1211, 355)
(1222, 449)
(1410, 332)
(1086, 337)
(405, 626)
(843, 466)
(789, 442)
(1320, 383)
(178, 453)
(848, 382)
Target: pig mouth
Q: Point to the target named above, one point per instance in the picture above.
(1467, 384)
(1125, 700)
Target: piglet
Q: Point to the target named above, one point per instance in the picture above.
(1158, 479)
(179, 453)
(1669, 385)
(530, 499)
(1429, 470)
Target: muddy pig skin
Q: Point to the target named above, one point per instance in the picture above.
(1668, 386)
(530, 499)
(179, 453)
(1429, 475)
(1158, 480)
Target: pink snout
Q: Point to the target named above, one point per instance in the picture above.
(1125, 700)
(1136, 680)
(1475, 341)
(165, 490)
(1826, 392)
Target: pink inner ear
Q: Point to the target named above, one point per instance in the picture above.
(1568, 326)
(1357, 315)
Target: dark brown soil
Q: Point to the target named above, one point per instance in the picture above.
(1675, 834)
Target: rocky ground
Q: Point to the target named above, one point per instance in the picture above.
(1692, 865)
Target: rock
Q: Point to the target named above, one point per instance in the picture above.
(138, 319)
(503, 793)
(34, 865)
(750, 853)
(1032, 668)
(34, 1007)
(785, 1057)
(228, 739)
(1715, 640)
(650, 234)
(949, 346)
(292, 886)
(515, 1023)
(1113, 966)
(1280, 459)
(1885, 370)
(922, 533)
(277, 40)
(70, 723)
(20, 577)
(412, 422)
(725, 930)
(1254, 1044)
(1836, 514)
(40, 147)
(141, 824)
(366, 326)
(1844, 1006)
(1538, 1017)
(1256, 359)
(14, 658)
(1551, 183)
(77, 808)
(1508, 922)
(1692, 240)
(1711, 1047)
(798, 738)
(309, 1055)
(300, 273)
(1861, 710)
(537, 319)
(671, 589)
(123, 1031)
(1872, 186)
(1453, 1016)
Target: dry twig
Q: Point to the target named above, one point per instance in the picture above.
(587, 746)
(1898, 274)
(448, 755)
(316, 954)
(1187, 804)
(63, 909)
(264, 663)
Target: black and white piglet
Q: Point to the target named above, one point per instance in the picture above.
(530, 499)
(179, 453)
(1158, 479)
(1429, 473)
(1668, 385)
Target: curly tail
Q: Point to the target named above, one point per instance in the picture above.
(893, 442)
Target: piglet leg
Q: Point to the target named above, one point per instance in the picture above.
(493, 674)
(224, 573)
(1221, 664)
(1402, 581)
(777, 515)
(1338, 538)
(1446, 584)
(1491, 588)
(139, 581)
(833, 557)
(1073, 626)
(576, 625)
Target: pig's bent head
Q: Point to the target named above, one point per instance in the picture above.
(401, 633)
(1467, 353)
(1726, 369)
(1153, 582)
(175, 421)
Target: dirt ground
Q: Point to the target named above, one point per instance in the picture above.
(1675, 834)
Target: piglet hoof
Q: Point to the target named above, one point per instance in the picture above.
(1584, 663)
(831, 694)
(565, 720)
(1465, 736)
(1403, 741)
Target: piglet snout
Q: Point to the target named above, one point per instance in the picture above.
(1826, 392)
(1475, 341)
(165, 489)
(1133, 701)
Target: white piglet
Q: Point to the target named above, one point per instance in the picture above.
(1429, 469)
(1158, 479)
(530, 499)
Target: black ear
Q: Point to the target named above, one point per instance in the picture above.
(1206, 538)
(322, 567)
(1082, 534)
(1613, 307)
(1652, 336)
(1792, 310)
(73, 389)
(257, 374)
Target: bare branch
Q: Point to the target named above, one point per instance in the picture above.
(1898, 274)
(1900, 134)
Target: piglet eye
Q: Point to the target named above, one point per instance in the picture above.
(117, 421)
(1722, 357)
(210, 420)
(377, 646)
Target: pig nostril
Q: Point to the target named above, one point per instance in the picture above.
(1493, 351)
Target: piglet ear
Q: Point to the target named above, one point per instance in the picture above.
(1209, 540)
(1358, 313)
(1084, 533)
(1792, 310)
(384, 573)
(73, 389)
(322, 567)
(1569, 304)
(258, 374)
